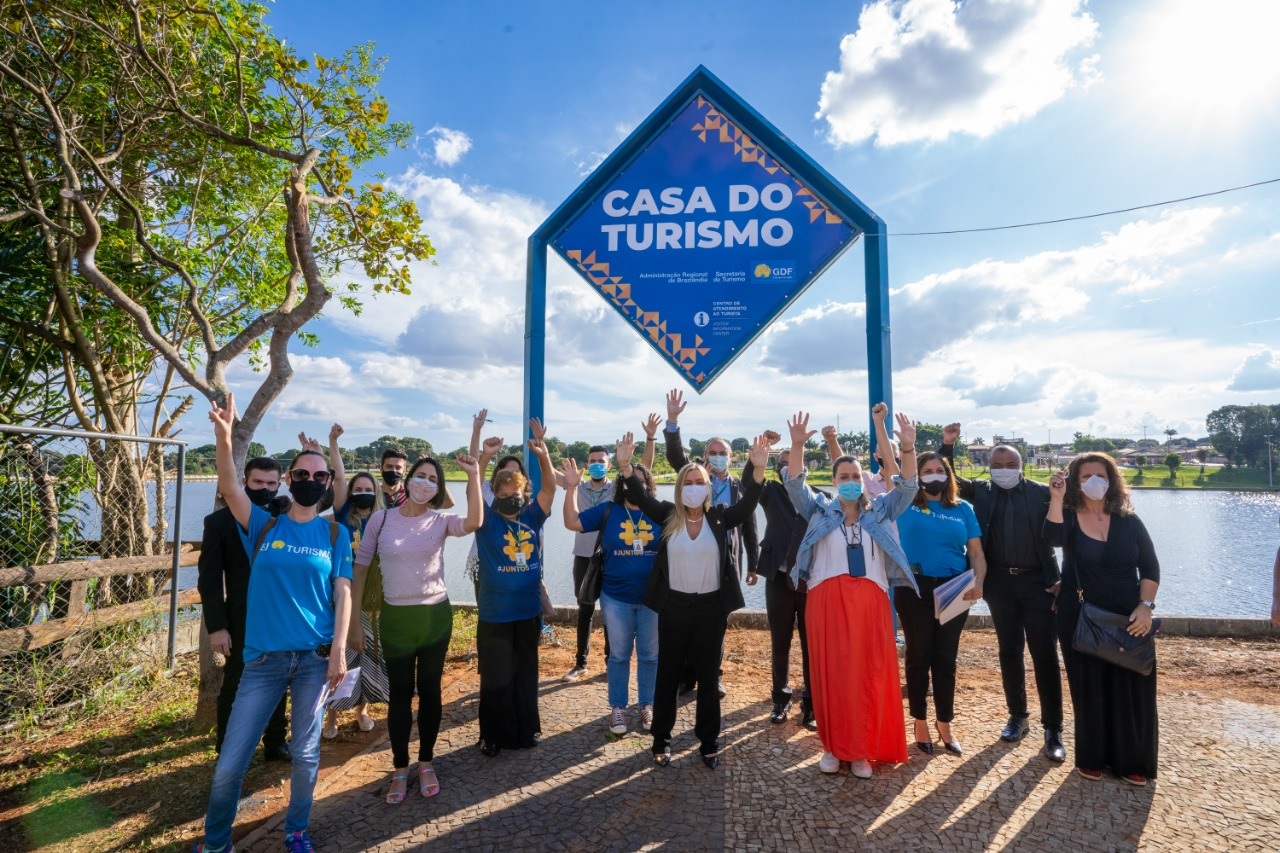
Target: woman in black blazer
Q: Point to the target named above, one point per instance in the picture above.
(693, 588)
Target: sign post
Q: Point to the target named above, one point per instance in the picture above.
(700, 229)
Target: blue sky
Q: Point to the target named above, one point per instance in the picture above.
(936, 117)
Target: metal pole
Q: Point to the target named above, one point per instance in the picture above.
(177, 543)
(879, 357)
(535, 348)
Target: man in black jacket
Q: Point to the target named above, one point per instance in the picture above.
(1021, 583)
(725, 491)
(224, 588)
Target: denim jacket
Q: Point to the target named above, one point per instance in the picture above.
(825, 514)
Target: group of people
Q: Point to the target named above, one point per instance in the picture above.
(367, 589)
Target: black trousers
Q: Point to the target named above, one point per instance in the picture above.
(932, 650)
(415, 641)
(586, 610)
(274, 735)
(690, 627)
(507, 653)
(785, 608)
(1022, 613)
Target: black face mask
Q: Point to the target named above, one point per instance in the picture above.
(391, 478)
(261, 497)
(308, 492)
(510, 505)
(934, 488)
(363, 501)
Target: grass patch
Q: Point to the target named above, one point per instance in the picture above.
(66, 809)
(463, 642)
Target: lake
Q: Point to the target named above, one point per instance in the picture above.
(1216, 549)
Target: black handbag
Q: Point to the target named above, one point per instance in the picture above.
(588, 591)
(1105, 635)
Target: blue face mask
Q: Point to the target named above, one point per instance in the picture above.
(849, 490)
(719, 462)
(596, 470)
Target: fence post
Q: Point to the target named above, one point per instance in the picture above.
(177, 544)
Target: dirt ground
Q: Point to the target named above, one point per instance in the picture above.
(135, 774)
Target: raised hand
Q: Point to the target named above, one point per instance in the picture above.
(1058, 484)
(572, 476)
(626, 449)
(309, 443)
(759, 453)
(479, 419)
(879, 412)
(828, 432)
(539, 448)
(773, 437)
(223, 419)
(675, 404)
(651, 425)
(906, 431)
(492, 445)
(468, 464)
(335, 432)
(799, 427)
(539, 431)
(951, 433)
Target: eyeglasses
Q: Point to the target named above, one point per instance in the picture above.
(301, 475)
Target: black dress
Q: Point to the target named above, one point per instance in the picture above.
(1116, 724)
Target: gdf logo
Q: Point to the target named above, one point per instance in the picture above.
(762, 271)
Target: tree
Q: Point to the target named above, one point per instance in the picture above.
(578, 451)
(1202, 455)
(928, 436)
(1173, 461)
(855, 443)
(1169, 434)
(740, 445)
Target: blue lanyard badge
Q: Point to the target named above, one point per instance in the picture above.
(853, 550)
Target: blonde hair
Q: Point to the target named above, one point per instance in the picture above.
(680, 514)
(505, 476)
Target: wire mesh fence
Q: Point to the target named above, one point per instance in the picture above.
(90, 550)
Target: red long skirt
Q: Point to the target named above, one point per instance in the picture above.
(857, 696)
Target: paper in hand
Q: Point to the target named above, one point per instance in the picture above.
(345, 688)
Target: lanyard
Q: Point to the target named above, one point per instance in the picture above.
(719, 490)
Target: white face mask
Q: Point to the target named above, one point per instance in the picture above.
(1005, 478)
(933, 478)
(719, 462)
(1095, 488)
(421, 490)
(694, 495)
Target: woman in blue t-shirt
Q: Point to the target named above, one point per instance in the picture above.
(629, 542)
(509, 601)
(941, 538)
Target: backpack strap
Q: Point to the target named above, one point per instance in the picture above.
(262, 537)
(333, 534)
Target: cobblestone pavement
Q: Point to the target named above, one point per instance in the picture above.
(584, 789)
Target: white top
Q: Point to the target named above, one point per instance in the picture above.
(830, 559)
(694, 564)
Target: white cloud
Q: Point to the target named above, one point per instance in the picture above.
(1081, 401)
(925, 69)
(1022, 387)
(449, 145)
(321, 370)
(1258, 372)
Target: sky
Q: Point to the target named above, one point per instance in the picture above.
(938, 116)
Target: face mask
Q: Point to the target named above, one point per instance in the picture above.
(596, 470)
(719, 462)
(1006, 478)
(308, 492)
(261, 497)
(782, 472)
(391, 478)
(933, 483)
(510, 505)
(849, 490)
(694, 496)
(421, 490)
(1095, 488)
(364, 500)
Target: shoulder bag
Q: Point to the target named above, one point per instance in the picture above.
(1104, 634)
(588, 591)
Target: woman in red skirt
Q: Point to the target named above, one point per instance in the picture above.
(848, 559)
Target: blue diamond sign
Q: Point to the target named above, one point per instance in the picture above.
(699, 232)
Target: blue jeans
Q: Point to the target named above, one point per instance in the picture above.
(624, 623)
(263, 683)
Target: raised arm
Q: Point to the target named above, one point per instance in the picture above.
(546, 494)
(633, 489)
(801, 496)
(572, 477)
(228, 483)
(477, 424)
(475, 503)
(752, 483)
(339, 469)
(834, 450)
(950, 434)
(676, 457)
(879, 412)
(651, 438)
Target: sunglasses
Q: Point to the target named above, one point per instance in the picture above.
(301, 475)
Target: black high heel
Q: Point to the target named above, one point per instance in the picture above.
(711, 760)
(925, 746)
(952, 746)
(662, 759)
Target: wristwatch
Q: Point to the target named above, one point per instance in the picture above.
(1151, 605)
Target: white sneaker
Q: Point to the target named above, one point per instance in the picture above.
(618, 721)
(829, 763)
(575, 673)
(860, 768)
(646, 717)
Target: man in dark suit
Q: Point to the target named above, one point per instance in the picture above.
(224, 588)
(1021, 583)
(725, 491)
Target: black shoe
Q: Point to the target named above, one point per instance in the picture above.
(278, 752)
(711, 760)
(662, 759)
(490, 749)
(780, 710)
(808, 720)
(1015, 730)
(952, 746)
(925, 747)
(720, 687)
(1053, 748)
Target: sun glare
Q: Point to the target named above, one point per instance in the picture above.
(1201, 64)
